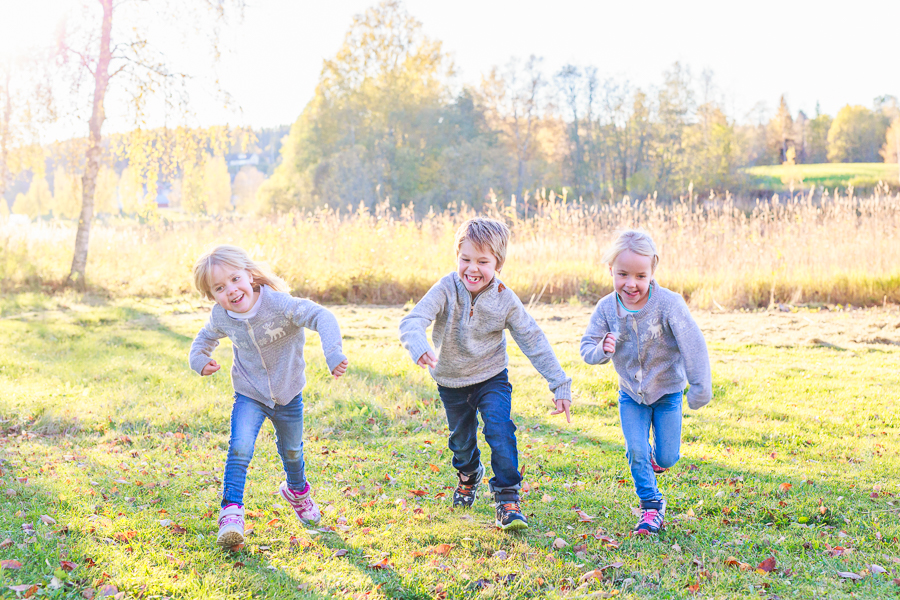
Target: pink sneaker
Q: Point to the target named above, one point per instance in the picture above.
(302, 502)
(231, 526)
(656, 468)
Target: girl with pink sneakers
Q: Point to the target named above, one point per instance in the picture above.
(657, 349)
(266, 327)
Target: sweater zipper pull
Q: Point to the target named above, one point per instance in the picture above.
(471, 312)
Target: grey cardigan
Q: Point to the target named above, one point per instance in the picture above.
(659, 349)
(468, 335)
(268, 348)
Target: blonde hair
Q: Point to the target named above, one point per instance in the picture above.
(636, 240)
(485, 233)
(236, 258)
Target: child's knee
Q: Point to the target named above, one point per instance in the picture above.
(293, 454)
(667, 460)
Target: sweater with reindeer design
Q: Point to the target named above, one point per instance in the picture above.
(268, 347)
(659, 349)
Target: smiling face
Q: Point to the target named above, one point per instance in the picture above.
(232, 288)
(631, 274)
(476, 266)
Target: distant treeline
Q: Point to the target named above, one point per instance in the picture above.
(386, 123)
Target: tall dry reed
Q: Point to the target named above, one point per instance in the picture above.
(801, 249)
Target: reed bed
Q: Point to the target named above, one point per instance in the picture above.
(800, 249)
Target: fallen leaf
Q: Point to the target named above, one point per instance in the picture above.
(238, 565)
(442, 549)
(693, 588)
(384, 563)
(6, 543)
(434, 468)
(88, 593)
(559, 543)
(418, 493)
(847, 575)
(784, 488)
(547, 498)
(583, 516)
(48, 520)
(767, 565)
(339, 553)
(10, 564)
(124, 536)
(877, 569)
(19, 588)
(595, 574)
(501, 555)
(67, 565)
(733, 562)
(108, 590)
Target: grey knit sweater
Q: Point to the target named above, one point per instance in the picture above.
(468, 335)
(268, 348)
(659, 349)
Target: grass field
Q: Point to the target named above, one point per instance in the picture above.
(112, 452)
(827, 175)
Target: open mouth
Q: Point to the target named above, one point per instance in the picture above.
(473, 278)
(238, 300)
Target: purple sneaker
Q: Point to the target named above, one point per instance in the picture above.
(302, 503)
(652, 518)
(231, 526)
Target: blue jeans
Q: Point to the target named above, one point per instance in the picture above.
(493, 400)
(664, 416)
(247, 416)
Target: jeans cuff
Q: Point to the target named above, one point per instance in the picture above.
(652, 504)
(508, 493)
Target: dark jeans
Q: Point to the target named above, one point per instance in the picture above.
(247, 416)
(493, 400)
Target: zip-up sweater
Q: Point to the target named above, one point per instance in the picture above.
(659, 349)
(469, 335)
(268, 347)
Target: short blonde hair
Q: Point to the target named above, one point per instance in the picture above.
(485, 233)
(636, 240)
(236, 258)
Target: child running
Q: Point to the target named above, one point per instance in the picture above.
(657, 348)
(265, 325)
(470, 308)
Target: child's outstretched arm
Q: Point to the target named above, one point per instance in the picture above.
(535, 345)
(308, 314)
(200, 357)
(693, 350)
(598, 344)
(413, 326)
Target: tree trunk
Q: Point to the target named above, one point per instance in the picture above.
(4, 140)
(76, 277)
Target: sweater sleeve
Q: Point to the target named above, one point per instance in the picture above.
(692, 347)
(535, 345)
(308, 314)
(413, 325)
(592, 340)
(203, 345)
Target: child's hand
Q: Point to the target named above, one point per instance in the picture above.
(609, 343)
(427, 360)
(210, 368)
(340, 369)
(563, 406)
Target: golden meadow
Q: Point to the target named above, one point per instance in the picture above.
(802, 249)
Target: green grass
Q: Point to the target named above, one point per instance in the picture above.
(106, 431)
(827, 175)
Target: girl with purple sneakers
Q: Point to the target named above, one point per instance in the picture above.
(657, 348)
(266, 327)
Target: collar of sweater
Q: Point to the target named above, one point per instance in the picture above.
(492, 286)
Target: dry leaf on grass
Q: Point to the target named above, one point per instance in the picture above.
(10, 564)
(767, 566)
(560, 543)
(848, 575)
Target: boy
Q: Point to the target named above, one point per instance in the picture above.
(470, 309)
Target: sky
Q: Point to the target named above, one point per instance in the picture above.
(825, 52)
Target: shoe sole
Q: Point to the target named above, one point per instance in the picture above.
(302, 520)
(512, 526)
(230, 540)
